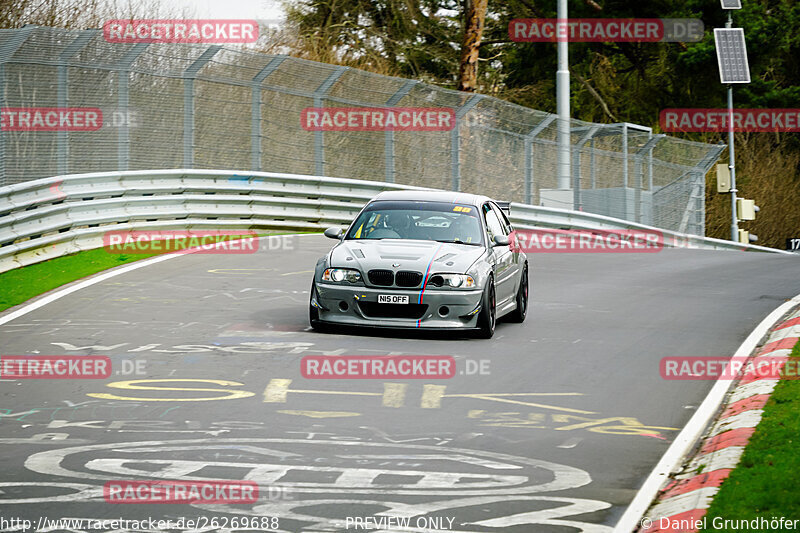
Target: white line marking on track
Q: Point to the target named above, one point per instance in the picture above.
(58, 294)
(693, 429)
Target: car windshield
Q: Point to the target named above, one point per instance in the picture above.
(429, 221)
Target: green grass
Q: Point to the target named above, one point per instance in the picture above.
(22, 284)
(765, 483)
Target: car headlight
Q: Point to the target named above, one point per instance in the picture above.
(340, 275)
(455, 281)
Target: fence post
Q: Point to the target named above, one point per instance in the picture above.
(697, 194)
(319, 136)
(652, 141)
(388, 140)
(63, 92)
(529, 164)
(455, 140)
(577, 204)
(123, 99)
(189, 76)
(255, 113)
(7, 50)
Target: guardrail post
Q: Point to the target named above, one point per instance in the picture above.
(577, 205)
(255, 115)
(319, 136)
(63, 92)
(7, 50)
(388, 140)
(529, 166)
(455, 140)
(189, 76)
(123, 71)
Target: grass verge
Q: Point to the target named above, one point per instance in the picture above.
(764, 484)
(22, 284)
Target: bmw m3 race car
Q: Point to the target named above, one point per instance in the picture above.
(422, 259)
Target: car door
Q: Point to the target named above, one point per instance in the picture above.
(517, 257)
(502, 255)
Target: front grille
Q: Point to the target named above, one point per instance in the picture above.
(384, 278)
(376, 310)
(408, 278)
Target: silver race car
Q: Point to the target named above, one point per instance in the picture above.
(421, 259)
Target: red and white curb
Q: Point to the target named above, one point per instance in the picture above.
(686, 497)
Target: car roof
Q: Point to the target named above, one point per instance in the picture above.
(434, 196)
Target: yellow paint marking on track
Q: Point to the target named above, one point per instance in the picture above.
(320, 414)
(432, 396)
(136, 385)
(516, 394)
(276, 390)
(298, 272)
(394, 394)
(529, 404)
(336, 392)
(226, 270)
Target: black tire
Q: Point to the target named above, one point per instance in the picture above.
(313, 313)
(518, 314)
(487, 318)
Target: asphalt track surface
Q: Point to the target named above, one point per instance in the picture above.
(565, 422)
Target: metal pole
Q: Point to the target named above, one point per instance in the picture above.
(189, 76)
(562, 98)
(731, 154)
(255, 111)
(455, 141)
(63, 92)
(732, 166)
(123, 103)
(319, 136)
(388, 139)
(7, 50)
(530, 163)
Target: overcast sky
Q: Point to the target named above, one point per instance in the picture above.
(230, 9)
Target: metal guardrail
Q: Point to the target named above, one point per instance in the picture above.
(51, 217)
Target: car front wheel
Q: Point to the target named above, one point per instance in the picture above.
(518, 314)
(487, 318)
(313, 312)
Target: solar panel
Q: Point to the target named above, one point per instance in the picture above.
(732, 55)
(731, 4)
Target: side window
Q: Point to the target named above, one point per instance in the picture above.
(493, 225)
(503, 219)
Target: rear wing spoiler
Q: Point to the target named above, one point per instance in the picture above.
(505, 206)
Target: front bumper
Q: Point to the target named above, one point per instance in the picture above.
(437, 309)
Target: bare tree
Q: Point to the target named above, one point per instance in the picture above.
(474, 17)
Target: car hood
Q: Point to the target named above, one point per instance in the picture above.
(406, 254)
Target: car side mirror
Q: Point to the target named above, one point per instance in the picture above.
(334, 233)
(501, 240)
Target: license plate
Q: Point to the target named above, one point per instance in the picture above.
(392, 299)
